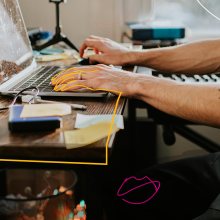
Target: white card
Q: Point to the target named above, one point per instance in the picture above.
(83, 121)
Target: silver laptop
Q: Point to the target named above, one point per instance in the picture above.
(18, 68)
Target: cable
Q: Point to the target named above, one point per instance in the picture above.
(17, 95)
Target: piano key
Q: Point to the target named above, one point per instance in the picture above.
(183, 77)
(214, 77)
(206, 78)
(197, 78)
(174, 76)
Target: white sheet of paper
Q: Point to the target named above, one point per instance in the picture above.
(89, 135)
(83, 121)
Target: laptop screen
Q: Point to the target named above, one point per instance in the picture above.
(15, 50)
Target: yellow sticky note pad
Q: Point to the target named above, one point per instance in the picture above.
(45, 110)
(88, 135)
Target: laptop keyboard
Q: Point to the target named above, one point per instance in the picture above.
(40, 78)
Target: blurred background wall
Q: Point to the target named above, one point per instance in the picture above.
(78, 17)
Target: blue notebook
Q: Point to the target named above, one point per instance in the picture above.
(18, 124)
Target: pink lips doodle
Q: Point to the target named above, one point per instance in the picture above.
(150, 182)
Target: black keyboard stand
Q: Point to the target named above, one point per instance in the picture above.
(59, 36)
(196, 138)
(172, 125)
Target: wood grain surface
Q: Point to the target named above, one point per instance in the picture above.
(51, 145)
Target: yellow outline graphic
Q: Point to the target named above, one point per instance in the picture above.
(53, 78)
(85, 163)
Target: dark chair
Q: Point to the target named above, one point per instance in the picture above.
(213, 213)
(172, 125)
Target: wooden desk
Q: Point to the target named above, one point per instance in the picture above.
(50, 146)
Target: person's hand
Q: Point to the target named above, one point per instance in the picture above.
(99, 77)
(111, 52)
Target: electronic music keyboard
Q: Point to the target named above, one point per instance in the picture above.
(212, 78)
(201, 79)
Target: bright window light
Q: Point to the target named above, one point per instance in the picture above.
(190, 12)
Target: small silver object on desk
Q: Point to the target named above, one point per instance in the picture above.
(39, 100)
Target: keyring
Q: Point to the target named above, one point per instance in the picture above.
(17, 95)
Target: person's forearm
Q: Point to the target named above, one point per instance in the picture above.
(201, 57)
(197, 103)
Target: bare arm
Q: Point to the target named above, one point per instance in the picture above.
(201, 57)
(199, 104)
